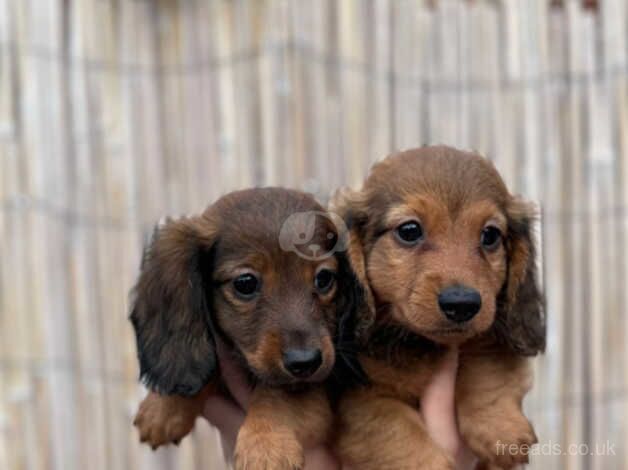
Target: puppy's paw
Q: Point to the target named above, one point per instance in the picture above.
(161, 420)
(267, 449)
(505, 442)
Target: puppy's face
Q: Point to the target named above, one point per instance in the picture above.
(278, 309)
(447, 250)
(226, 273)
(441, 272)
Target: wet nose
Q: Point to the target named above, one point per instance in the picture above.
(302, 363)
(459, 303)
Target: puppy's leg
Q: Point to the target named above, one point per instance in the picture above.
(380, 433)
(162, 419)
(489, 393)
(278, 426)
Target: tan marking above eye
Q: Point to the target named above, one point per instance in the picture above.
(397, 215)
(481, 213)
(231, 270)
(497, 220)
(330, 263)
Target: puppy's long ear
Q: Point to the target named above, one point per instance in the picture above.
(349, 206)
(170, 311)
(520, 321)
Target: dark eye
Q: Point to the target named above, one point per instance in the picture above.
(245, 285)
(409, 233)
(324, 280)
(491, 238)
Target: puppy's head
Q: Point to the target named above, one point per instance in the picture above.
(447, 250)
(226, 272)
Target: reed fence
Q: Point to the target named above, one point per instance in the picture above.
(115, 112)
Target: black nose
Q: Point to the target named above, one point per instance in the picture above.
(302, 363)
(459, 303)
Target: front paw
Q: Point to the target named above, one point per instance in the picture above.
(161, 421)
(505, 442)
(267, 449)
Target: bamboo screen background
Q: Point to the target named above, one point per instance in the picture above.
(115, 112)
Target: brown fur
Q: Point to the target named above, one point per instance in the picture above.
(162, 419)
(185, 296)
(453, 195)
(279, 425)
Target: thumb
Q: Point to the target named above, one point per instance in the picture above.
(438, 406)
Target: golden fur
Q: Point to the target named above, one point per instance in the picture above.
(454, 196)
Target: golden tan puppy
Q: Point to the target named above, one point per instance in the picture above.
(448, 254)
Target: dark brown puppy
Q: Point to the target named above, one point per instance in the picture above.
(262, 269)
(449, 257)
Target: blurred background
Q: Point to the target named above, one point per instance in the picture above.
(115, 112)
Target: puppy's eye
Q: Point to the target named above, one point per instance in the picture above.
(490, 238)
(409, 233)
(324, 280)
(245, 285)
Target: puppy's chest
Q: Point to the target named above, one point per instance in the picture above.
(404, 376)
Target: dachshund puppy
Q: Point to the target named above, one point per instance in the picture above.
(262, 270)
(449, 258)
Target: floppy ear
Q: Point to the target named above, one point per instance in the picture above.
(348, 206)
(520, 321)
(170, 311)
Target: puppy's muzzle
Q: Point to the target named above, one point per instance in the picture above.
(302, 363)
(459, 303)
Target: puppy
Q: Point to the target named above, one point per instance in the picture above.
(448, 254)
(262, 270)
